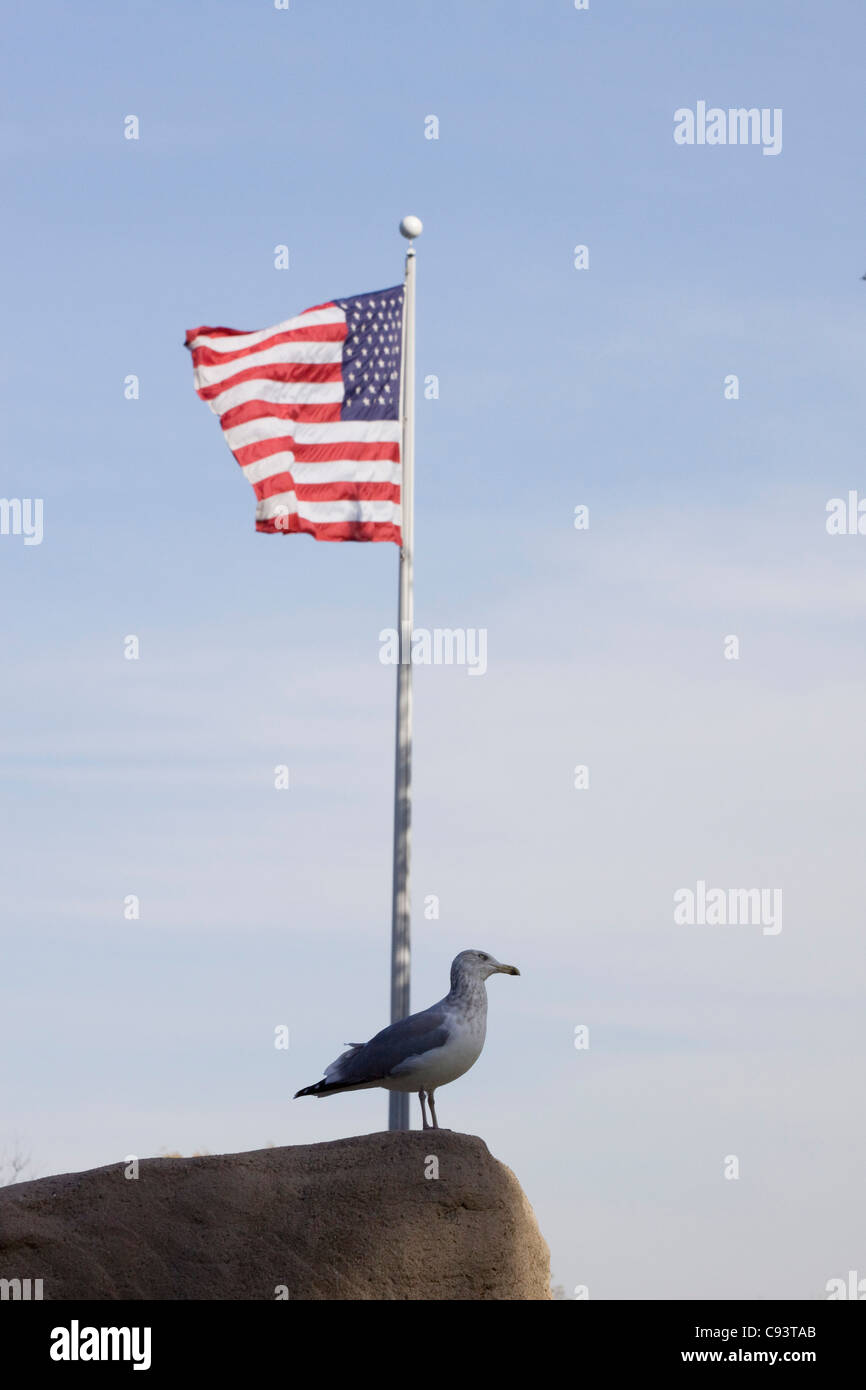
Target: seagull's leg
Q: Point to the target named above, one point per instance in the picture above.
(424, 1124)
(432, 1110)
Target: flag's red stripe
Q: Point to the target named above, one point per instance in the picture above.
(349, 449)
(264, 410)
(333, 530)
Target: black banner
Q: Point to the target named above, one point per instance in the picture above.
(156, 1339)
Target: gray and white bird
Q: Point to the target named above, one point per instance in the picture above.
(426, 1050)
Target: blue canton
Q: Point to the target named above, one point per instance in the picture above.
(371, 355)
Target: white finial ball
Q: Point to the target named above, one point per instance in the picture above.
(411, 227)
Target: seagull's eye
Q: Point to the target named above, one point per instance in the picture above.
(481, 956)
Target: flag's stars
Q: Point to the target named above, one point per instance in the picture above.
(371, 355)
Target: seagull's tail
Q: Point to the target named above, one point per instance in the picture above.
(333, 1081)
(312, 1090)
(331, 1088)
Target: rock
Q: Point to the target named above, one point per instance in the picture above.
(354, 1219)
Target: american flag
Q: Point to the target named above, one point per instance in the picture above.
(311, 411)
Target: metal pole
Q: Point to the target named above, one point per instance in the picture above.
(398, 1101)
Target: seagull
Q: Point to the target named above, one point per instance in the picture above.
(426, 1050)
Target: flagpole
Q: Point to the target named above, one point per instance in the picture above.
(398, 1101)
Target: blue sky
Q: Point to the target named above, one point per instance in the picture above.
(557, 387)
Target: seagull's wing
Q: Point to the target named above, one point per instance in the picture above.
(385, 1055)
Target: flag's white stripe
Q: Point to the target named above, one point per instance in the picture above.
(331, 432)
(336, 432)
(237, 342)
(328, 471)
(278, 393)
(283, 503)
(282, 352)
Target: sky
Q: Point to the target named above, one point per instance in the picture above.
(708, 1141)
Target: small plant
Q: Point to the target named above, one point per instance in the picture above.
(13, 1166)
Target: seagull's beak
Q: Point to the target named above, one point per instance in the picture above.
(507, 970)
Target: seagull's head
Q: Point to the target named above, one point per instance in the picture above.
(478, 965)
